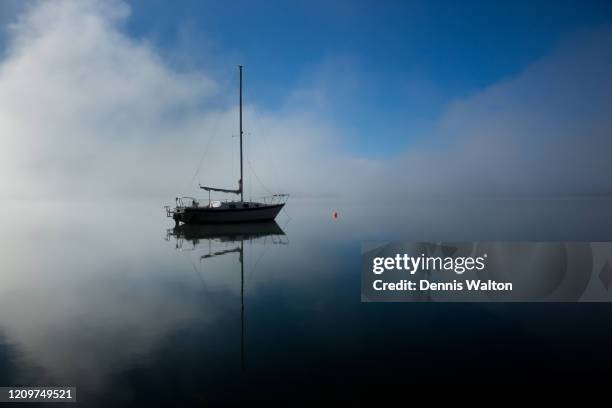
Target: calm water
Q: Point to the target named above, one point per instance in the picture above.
(107, 297)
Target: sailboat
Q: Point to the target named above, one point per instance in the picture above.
(189, 210)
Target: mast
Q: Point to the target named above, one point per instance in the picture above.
(240, 190)
(240, 113)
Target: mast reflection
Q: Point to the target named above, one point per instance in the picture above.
(191, 237)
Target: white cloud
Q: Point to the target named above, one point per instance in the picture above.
(546, 132)
(87, 111)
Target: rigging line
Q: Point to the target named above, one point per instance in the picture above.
(233, 162)
(246, 186)
(205, 151)
(287, 223)
(251, 173)
(247, 175)
(287, 214)
(267, 146)
(197, 272)
(252, 269)
(257, 177)
(255, 118)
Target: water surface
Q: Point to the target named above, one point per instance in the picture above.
(107, 297)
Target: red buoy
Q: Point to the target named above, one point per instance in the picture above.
(335, 215)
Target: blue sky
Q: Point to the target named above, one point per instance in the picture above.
(343, 99)
(386, 69)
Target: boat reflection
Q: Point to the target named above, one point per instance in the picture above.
(197, 234)
(202, 236)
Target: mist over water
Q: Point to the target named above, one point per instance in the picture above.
(99, 291)
(103, 296)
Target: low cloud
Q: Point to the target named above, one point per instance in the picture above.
(86, 111)
(546, 132)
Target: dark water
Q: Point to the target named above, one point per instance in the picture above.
(104, 297)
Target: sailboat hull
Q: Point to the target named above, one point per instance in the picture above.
(206, 215)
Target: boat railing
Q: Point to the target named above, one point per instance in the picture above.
(186, 202)
(273, 199)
